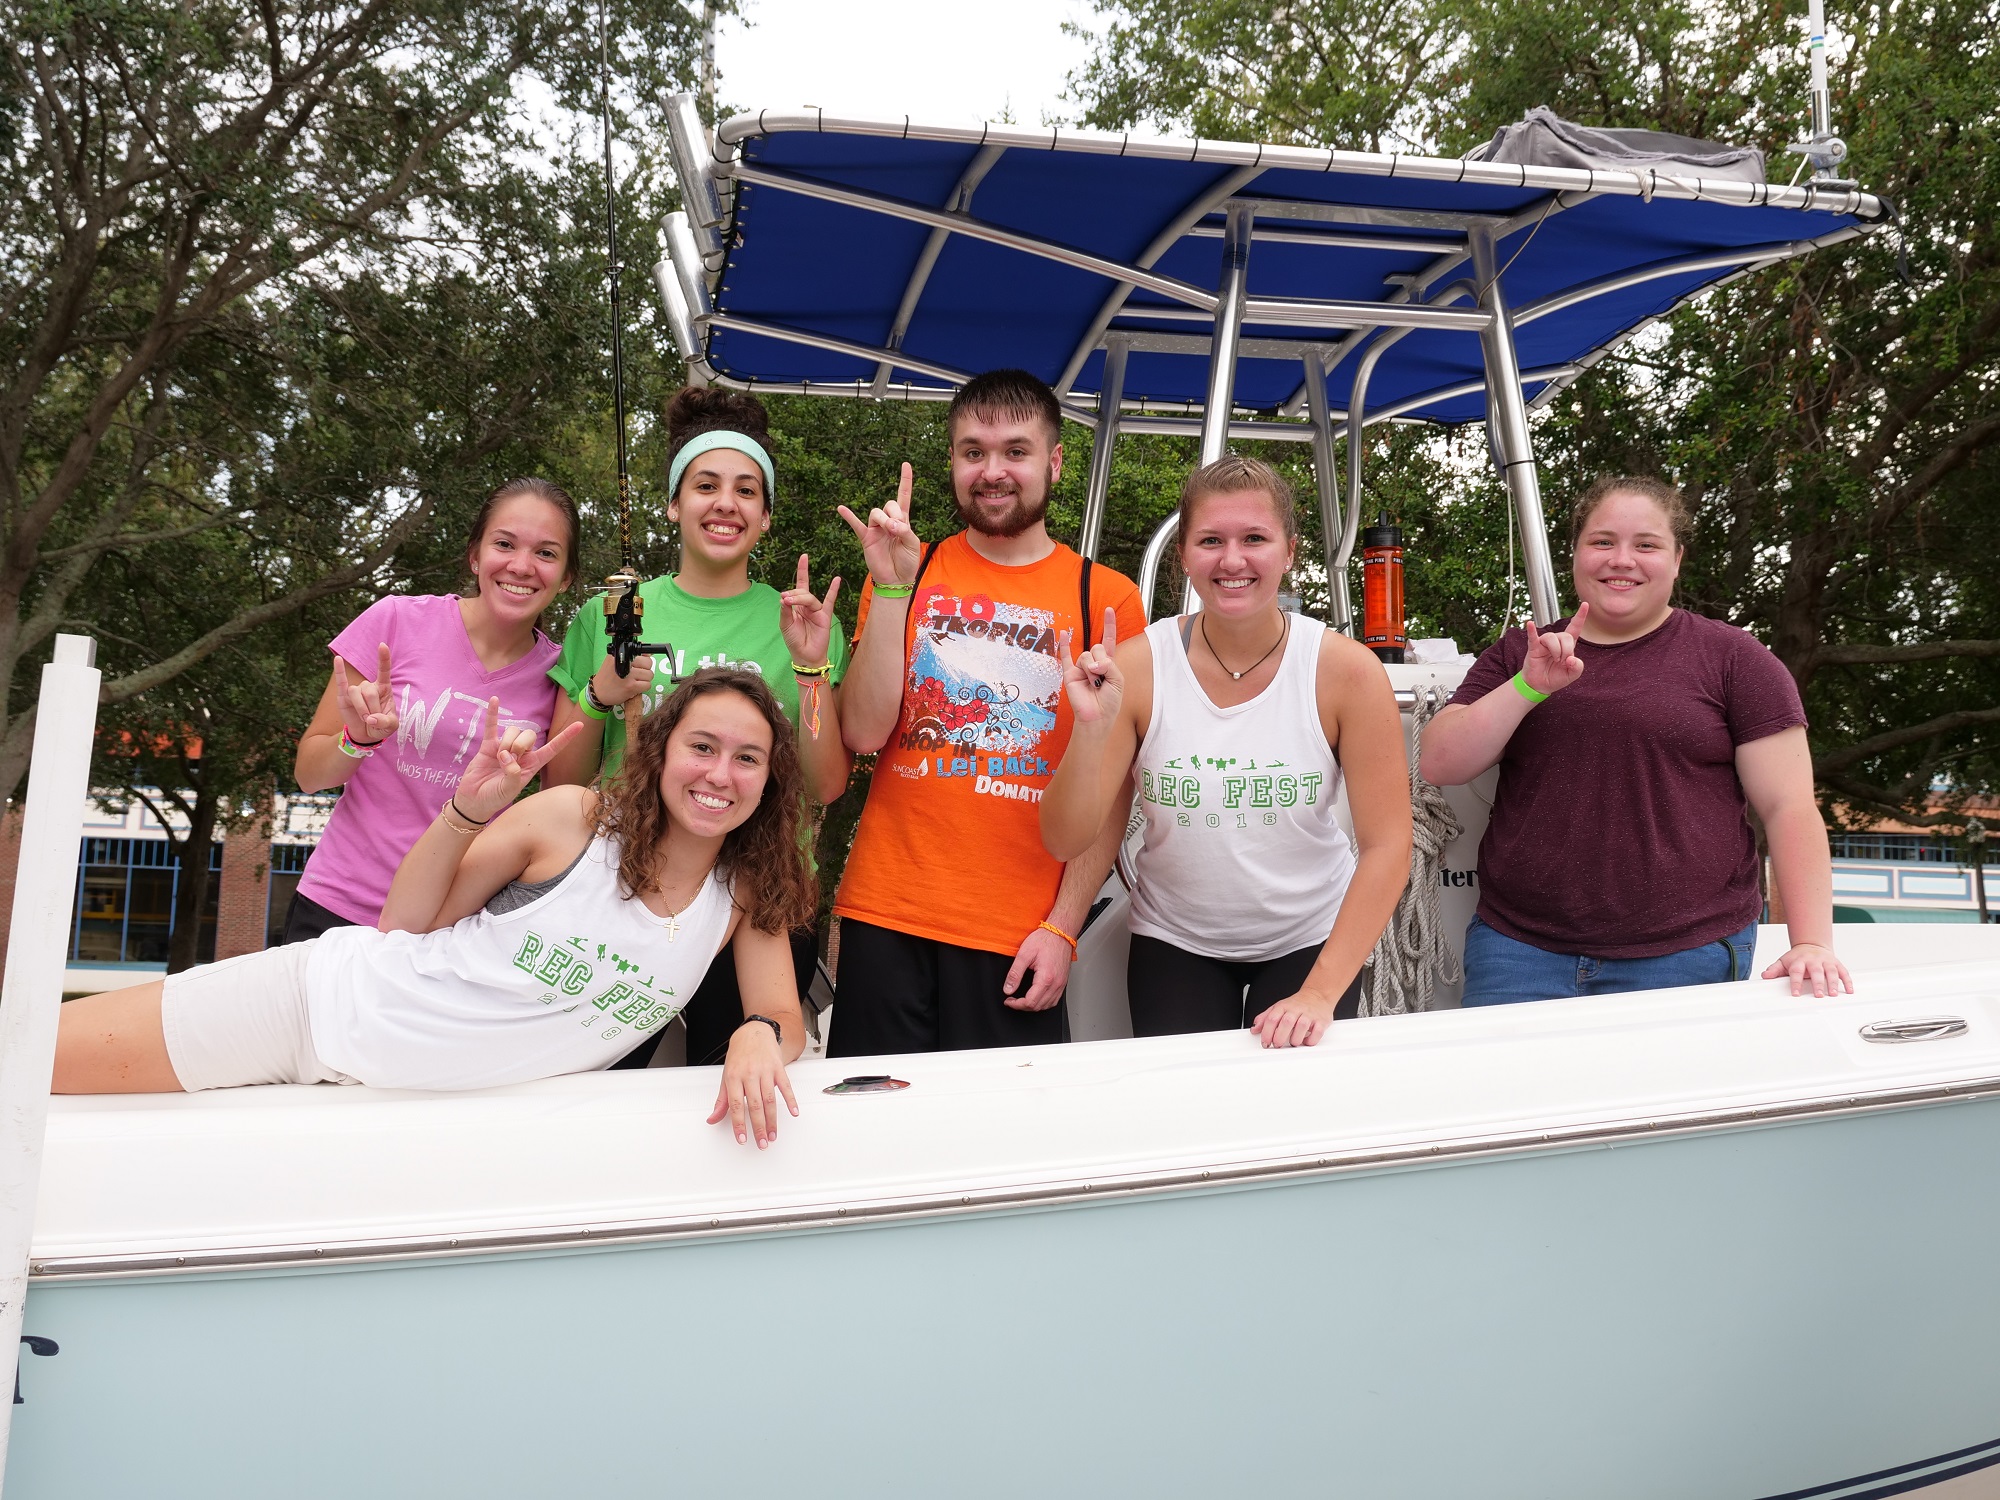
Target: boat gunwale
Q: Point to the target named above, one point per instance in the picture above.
(935, 1205)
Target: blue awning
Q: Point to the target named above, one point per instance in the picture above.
(860, 256)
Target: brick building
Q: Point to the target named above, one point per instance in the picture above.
(121, 918)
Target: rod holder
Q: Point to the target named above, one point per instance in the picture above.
(694, 168)
(682, 250)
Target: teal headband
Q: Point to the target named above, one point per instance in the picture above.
(748, 446)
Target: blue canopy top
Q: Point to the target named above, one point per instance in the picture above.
(863, 256)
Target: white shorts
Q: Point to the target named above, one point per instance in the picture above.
(243, 1021)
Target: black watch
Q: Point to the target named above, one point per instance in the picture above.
(776, 1030)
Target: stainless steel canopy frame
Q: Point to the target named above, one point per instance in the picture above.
(1461, 258)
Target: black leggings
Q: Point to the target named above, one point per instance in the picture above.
(306, 919)
(1173, 991)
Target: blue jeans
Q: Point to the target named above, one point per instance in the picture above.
(1501, 971)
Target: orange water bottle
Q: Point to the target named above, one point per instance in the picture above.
(1382, 628)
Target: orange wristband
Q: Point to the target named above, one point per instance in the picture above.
(1051, 927)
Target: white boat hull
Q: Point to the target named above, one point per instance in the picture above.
(1698, 1243)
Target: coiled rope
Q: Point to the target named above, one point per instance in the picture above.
(1413, 956)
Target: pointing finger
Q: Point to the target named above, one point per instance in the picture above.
(805, 572)
(536, 759)
(832, 593)
(1582, 614)
(854, 522)
(903, 486)
(1110, 636)
(382, 670)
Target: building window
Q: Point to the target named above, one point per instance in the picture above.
(124, 911)
(1903, 848)
(288, 863)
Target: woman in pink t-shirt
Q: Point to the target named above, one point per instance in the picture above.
(401, 714)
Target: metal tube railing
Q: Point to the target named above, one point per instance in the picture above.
(1097, 495)
(1507, 423)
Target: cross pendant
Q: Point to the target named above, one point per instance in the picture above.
(673, 928)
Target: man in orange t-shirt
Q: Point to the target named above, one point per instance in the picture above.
(957, 928)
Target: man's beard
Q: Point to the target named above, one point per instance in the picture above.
(1017, 518)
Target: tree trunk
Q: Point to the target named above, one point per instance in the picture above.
(191, 890)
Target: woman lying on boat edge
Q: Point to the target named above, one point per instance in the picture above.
(400, 712)
(536, 946)
(721, 486)
(1632, 739)
(1241, 721)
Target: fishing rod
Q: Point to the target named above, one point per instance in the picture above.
(623, 608)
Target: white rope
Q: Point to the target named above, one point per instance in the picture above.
(1413, 957)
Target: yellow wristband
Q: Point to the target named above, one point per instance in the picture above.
(1051, 927)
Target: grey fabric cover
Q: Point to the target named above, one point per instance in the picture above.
(1544, 139)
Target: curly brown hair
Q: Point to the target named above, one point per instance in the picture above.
(763, 857)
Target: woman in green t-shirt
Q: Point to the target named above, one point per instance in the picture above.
(712, 614)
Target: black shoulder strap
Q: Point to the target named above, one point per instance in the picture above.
(916, 583)
(1083, 603)
(924, 566)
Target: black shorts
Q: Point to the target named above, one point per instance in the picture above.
(1173, 991)
(897, 993)
(714, 1011)
(306, 919)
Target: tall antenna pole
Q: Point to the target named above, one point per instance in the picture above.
(612, 270)
(622, 605)
(1819, 146)
(708, 58)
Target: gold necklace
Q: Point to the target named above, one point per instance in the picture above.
(672, 917)
(1284, 629)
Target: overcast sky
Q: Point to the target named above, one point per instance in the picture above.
(936, 60)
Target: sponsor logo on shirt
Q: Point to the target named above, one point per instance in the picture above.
(984, 677)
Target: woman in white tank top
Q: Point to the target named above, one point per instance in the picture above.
(550, 942)
(1237, 723)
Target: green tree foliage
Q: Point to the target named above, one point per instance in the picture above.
(297, 281)
(1833, 418)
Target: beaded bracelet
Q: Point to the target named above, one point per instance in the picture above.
(1051, 927)
(592, 709)
(894, 590)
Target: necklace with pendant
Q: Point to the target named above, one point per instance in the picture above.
(672, 918)
(1284, 629)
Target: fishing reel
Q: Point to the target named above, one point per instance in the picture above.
(622, 610)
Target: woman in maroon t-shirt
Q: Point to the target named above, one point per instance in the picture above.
(1631, 741)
